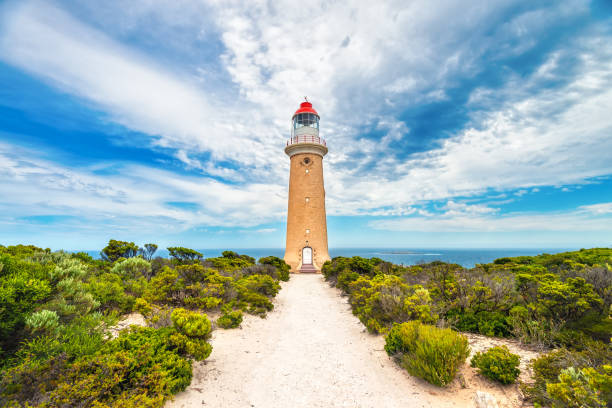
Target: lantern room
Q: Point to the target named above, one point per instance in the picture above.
(305, 121)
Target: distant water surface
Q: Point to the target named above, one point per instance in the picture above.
(406, 256)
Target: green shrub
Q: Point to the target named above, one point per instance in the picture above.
(133, 268)
(191, 324)
(548, 367)
(281, 266)
(143, 307)
(497, 364)
(345, 278)
(583, 388)
(182, 254)
(483, 322)
(230, 320)
(193, 329)
(166, 287)
(110, 292)
(567, 300)
(139, 368)
(231, 261)
(386, 299)
(191, 346)
(43, 321)
(262, 284)
(118, 249)
(426, 351)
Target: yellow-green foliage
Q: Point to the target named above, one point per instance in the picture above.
(497, 364)
(193, 329)
(386, 299)
(231, 261)
(426, 351)
(583, 388)
(182, 254)
(139, 368)
(132, 268)
(196, 286)
(143, 307)
(109, 290)
(255, 292)
(191, 324)
(567, 300)
(116, 250)
(281, 266)
(43, 321)
(547, 370)
(165, 287)
(194, 347)
(230, 320)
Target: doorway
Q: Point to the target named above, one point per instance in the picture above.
(307, 256)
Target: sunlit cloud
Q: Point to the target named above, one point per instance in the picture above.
(478, 114)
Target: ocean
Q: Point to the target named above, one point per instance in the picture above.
(403, 256)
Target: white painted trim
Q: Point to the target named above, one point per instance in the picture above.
(299, 148)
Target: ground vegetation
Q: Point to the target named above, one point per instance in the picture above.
(57, 307)
(558, 302)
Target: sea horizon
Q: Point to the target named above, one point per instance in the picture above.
(466, 257)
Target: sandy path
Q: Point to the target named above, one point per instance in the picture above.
(309, 352)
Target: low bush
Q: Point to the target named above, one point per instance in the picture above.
(193, 329)
(132, 268)
(230, 320)
(585, 388)
(140, 368)
(281, 266)
(110, 292)
(483, 322)
(191, 324)
(548, 368)
(231, 261)
(385, 299)
(426, 351)
(143, 307)
(498, 364)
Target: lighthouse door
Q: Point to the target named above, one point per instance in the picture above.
(307, 256)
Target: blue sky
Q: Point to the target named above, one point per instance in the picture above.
(449, 124)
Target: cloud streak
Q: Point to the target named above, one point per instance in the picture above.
(481, 219)
(420, 104)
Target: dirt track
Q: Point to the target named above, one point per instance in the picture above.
(312, 352)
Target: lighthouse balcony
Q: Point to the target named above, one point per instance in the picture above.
(309, 139)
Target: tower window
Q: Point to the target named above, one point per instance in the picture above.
(307, 171)
(307, 231)
(307, 199)
(306, 160)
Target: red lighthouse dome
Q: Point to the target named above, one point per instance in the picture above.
(305, 107)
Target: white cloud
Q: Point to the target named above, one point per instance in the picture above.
(598, 209)
(550, 137)
(355, 60)
(265, 230)
(467, 220)
(132, 89)
(136, 195)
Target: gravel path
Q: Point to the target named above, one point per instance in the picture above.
(309, 352)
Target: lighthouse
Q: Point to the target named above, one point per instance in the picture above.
(306, 248)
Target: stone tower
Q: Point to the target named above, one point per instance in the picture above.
(306, 248)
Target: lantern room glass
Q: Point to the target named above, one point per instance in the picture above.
(306, 119)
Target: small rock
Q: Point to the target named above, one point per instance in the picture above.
(484, 400)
